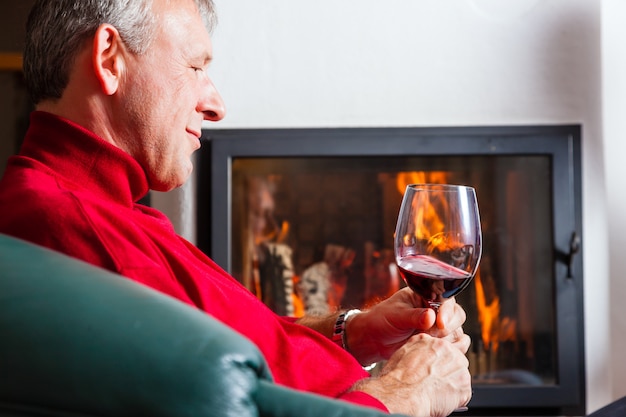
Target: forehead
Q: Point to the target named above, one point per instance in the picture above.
(179, 22)
(181, 18)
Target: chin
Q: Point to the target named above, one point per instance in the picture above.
(180, 180)
(168, 184)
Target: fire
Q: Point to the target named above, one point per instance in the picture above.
(426, 211)
(495, 329)
(420, 177)
(488, 315)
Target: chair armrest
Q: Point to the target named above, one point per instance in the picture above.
(277, 401)
(78, 340)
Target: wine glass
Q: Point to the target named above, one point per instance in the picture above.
(438, 241)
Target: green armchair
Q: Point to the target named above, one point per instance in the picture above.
(76, 340)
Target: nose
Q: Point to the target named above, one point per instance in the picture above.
(210, 103)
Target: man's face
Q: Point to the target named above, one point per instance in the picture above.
(166, 95)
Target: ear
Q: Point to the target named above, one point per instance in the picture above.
(108, 58)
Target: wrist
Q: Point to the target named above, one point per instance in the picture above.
(359, 340)
(340, 332)
(393, 395)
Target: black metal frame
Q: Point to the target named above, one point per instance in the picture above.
(562, 143)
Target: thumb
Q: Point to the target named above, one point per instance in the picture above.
(424, 319)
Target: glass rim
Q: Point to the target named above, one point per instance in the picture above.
(437, 187)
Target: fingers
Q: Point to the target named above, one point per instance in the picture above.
(450, 315)
(446, 323)
(427, 376)
(426, 319)
(387, 325)
(459, 339)
(463, 343)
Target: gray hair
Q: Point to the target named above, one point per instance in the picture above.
(57, 29)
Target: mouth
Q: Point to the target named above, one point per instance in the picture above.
(197, 134)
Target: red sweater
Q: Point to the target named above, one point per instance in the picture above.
(71, 191)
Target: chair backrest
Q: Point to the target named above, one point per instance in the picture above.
(78, 340)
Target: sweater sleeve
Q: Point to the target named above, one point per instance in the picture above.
(355, 397)
(361, 398)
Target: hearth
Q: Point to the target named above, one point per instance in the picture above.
(305, 219)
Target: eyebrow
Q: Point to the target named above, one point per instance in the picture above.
(204, 56)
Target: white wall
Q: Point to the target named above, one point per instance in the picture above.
(614, 123)
(328, 63)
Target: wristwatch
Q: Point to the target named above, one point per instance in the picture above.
(339, 331)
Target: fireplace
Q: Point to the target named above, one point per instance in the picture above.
(305, 219)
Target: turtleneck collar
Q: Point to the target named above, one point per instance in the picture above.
(84, 158)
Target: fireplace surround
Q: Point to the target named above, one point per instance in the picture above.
(291, 210)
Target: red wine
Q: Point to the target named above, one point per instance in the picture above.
(432, 279)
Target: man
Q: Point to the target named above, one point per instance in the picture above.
(121, 89)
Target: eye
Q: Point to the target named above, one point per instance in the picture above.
(199, 72)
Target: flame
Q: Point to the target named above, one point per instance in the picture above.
(494, 328)
(488, 315)
(426, 213)
(420, 177)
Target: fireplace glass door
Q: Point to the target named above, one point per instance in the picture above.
(310, 215)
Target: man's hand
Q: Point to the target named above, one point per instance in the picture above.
(427, 376)
(377, 333)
